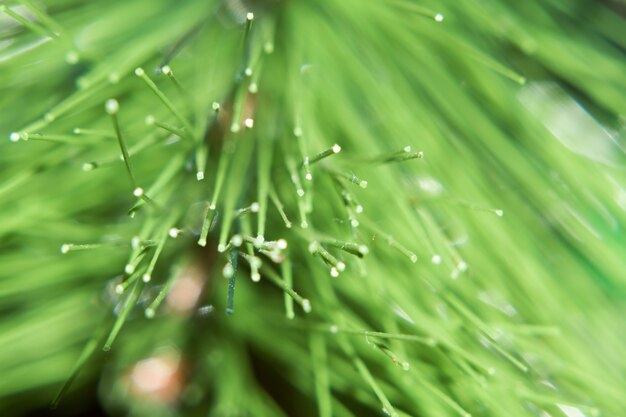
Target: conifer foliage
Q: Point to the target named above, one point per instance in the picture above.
(313, 207)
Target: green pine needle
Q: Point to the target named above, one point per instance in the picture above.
(437, 187)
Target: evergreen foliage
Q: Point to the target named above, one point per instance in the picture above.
(313, 207)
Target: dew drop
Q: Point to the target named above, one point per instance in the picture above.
(112, 106)
(237, 240)
(72, 57)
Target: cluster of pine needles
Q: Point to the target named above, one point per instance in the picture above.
(313, 207)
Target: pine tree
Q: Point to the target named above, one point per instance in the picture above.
(313, 207)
